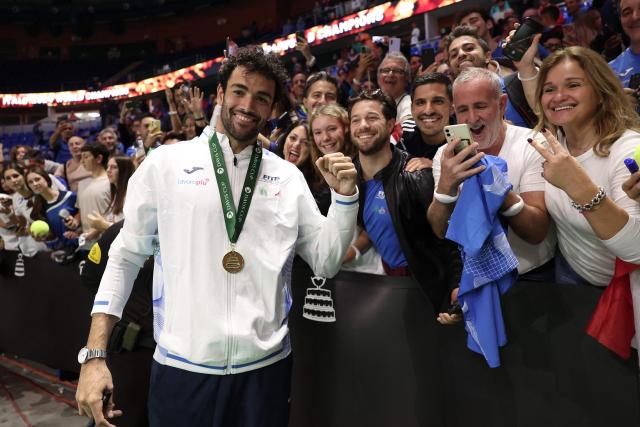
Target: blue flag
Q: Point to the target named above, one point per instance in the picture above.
(489, 265)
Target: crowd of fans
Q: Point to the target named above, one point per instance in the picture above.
(561, 118)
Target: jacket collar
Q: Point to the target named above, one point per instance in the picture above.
(398, 157)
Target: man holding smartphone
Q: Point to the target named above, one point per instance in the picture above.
(479, 103)
(222, 282)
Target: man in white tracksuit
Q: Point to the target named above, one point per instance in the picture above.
(222, 290)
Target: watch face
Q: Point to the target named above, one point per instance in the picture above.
(82, 355)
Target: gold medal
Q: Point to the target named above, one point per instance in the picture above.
(233, 262)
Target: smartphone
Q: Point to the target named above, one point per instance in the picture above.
(395, 44)
(521, 40)
(300, 35)
(428, 57)
(631, 165)
(64, 214)
(455, 309)
(154, 126)
(462, 132)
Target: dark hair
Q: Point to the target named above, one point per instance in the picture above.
(319, 76)
(553, 34)
(96, 149)
(433, 78)
(37, 202)
(14, 151)
(15, 166)
(552, 10)
(33, 155)
(465, 30)
(126, 168)
(254, 60)
(173, 135)
(307, 167)
(484, 14)
(389, 109)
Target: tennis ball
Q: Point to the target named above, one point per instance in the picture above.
(39, 228)
(636, 155)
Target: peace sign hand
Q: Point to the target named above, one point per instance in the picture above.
(560, 168)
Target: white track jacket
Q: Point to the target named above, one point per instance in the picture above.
(205, 319)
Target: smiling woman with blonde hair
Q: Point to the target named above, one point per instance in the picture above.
(329, 131)
(591, 127)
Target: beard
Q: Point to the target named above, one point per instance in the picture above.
(378, 144)
(240, 135)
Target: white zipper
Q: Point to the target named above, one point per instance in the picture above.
(230, 279)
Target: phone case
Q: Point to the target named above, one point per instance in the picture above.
(458, 131)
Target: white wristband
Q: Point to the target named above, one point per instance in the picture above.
(528, 79)
(445, 199)
(357, 251)
(514, 209)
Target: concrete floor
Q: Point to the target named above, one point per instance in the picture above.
(31, 395)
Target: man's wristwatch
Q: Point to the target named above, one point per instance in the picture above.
(85, 354)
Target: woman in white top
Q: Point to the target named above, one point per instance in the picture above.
(591, 128)
(119, 170)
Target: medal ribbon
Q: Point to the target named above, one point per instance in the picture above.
(234, 220)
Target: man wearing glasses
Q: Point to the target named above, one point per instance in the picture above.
(394, 75)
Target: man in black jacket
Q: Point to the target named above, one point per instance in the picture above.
(394, 202)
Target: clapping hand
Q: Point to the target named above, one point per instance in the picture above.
(339, 172)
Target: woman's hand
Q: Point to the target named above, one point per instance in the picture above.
(170, 100)
(632, 187)
(562, 170)
(525, 66)
(70, 235)
(71, 222)
(98, 222)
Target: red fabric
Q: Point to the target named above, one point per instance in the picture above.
(612, 321)
(398, 271)
(397, 132)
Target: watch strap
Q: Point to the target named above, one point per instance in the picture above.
(93, 353)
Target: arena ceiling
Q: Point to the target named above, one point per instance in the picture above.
(73, 12)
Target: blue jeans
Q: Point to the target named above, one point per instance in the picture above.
(565, 275)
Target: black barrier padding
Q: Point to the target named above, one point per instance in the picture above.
(385, 362)
(378, 364)
(45, 314)
(367, 369)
